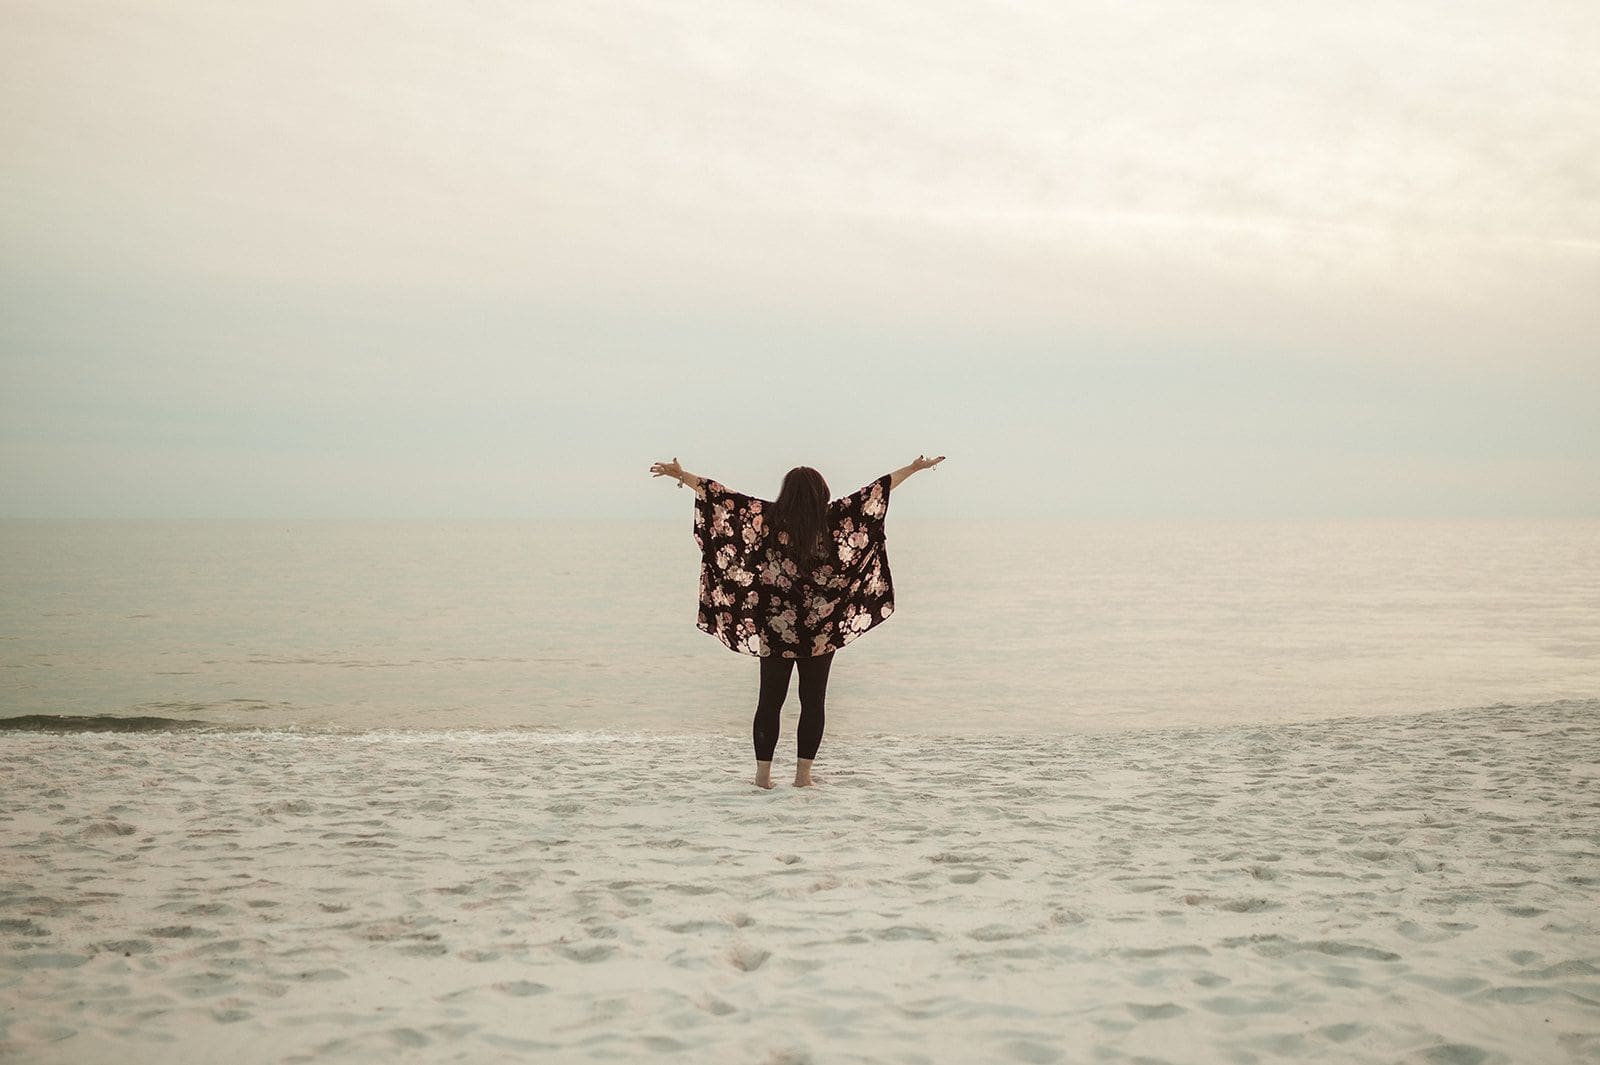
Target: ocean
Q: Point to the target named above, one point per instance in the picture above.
(1033, 627)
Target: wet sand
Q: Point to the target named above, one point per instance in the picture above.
(1360, 890)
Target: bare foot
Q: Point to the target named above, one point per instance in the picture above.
(806, 783)
(769, 785)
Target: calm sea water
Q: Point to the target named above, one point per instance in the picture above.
(1025, 627)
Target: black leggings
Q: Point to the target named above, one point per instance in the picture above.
(775, 671)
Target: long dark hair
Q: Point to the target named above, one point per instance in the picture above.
(801, 512)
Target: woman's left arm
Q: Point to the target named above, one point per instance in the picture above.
(921, 462)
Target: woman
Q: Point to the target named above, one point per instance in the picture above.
(791, 581)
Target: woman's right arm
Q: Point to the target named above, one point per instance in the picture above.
(918, 463)
(678, 473)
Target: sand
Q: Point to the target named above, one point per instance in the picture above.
(1407, 889)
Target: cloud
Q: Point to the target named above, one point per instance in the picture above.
(270, 228)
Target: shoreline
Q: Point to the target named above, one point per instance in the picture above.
(124, 724)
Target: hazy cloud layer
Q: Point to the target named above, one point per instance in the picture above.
(421, 259)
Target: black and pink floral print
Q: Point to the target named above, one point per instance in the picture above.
(758, 602)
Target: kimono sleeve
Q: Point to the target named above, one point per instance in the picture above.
(866, 507)
(723, 516)
(707, 506)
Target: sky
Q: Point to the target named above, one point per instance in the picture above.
(491, 260)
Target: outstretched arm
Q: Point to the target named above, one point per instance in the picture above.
(918, 463)
(677, 472)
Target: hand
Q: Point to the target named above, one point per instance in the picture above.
(922, 462)
(668, 469)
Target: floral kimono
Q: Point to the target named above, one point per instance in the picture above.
(758, 602)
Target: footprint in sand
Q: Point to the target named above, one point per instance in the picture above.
(994, 933)
(1446, 985)
(107, 829)
(1158, 1012)
(953, 858)
(1351, 950)
(662, 1044)
(318, 976)
(748, 959)
(521, 988)
(715, 1006)
(180, 931)
(425, 950)
(591, 952)
(904, 931)
(1031, 1050)
(1518, 996)
(1234, 1006)
(1422, 934)
(1247, 905)
(788, 1057)
(1163, 952)
(1571, 967)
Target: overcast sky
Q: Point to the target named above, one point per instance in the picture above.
(434, 259)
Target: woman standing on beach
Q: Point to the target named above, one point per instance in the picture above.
(791, 581)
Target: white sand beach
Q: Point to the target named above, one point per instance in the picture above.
(1416, 888)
